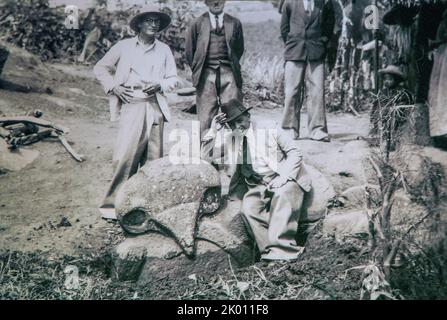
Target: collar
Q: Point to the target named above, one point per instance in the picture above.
(139, 43)
(213, 19)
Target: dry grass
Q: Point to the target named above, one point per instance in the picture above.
(263, 65)
(32, 276)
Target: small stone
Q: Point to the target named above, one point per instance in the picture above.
(345, 224)
(355, 196)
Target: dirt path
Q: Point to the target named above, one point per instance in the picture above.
(33, 201)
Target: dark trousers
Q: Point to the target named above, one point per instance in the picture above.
(207, 106)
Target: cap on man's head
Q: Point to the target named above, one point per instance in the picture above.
(233, 109)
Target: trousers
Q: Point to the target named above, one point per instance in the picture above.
(140, 139)
(272, 219)
(310, 75)
(206, 101)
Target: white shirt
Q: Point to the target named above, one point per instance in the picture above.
(149, 65)
(263, 160)
(271, 152)
(220, 18)
(309, 5)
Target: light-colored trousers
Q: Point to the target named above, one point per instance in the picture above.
(273, 220)
(310, 75)
(206, 100)
(140, 139)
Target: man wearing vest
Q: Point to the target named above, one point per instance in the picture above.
(307, 27)
(214, 47)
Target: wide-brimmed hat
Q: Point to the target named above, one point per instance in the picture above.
(165, 19)
(394, 70)
(233, 109)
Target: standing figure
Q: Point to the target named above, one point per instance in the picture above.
(145, 69)
(438, 93)
(268, 176)
(307, 27)
(214, 47)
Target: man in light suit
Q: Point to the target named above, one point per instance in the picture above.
(268, 176)
(307, 28)
(145, 69)
(214, 47)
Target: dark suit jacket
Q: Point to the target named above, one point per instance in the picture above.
(197, 42)
(307, 38)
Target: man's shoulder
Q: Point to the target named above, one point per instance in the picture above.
(231, 18)
(163, 45)
(200, 19)
(125, 42)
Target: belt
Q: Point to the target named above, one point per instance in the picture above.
(139, 87)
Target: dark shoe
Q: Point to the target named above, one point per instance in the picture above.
(292, 134)
(325, 139)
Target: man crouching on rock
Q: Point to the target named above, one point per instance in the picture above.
(145, 68)
(267, 176)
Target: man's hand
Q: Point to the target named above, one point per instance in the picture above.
(152, 88)
(218, 121)
(278, 182)
(122, 93)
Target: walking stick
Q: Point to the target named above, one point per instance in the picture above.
(218, 88)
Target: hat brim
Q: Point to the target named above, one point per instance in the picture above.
(393, 72)
(238, 115)
(165, 20)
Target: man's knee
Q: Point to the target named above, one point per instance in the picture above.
(250, 207)
(290, 188)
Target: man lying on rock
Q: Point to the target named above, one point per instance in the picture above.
(267, 176)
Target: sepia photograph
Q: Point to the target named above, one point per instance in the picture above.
(212, 150)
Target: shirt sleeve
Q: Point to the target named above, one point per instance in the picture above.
(170, 79)
(105, 67)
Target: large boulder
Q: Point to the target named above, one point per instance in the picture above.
(411, 222)
(422, 175)
(221, 239)
(346, 224)
(169, 198)
(316, 201)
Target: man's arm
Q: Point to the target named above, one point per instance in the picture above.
(213, 146)
(106, 66)
(329, 19)
(170, 78)
(191, 43)
(214, 140)
(285, 21)
(239, 41)
(293, 156)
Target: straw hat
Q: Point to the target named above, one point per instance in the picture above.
(165, 19)
(394, 70)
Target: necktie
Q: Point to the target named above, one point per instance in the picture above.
(244, 174)
(217, 22)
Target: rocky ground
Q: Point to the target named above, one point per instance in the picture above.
(48, 203)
